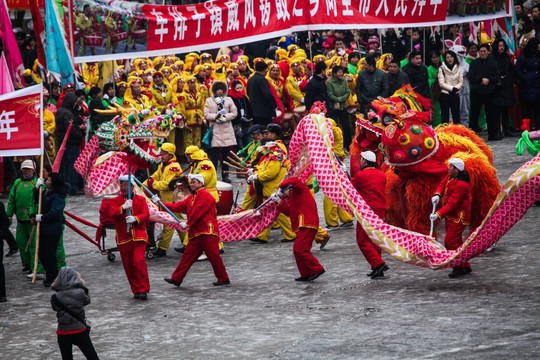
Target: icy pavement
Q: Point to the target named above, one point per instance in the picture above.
(413, 313)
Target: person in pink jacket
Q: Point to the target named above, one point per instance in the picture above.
(219, 111)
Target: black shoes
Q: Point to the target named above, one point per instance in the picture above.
(324, 241)
(314, 276)
(379, 272)
(47, 283)
(172, 282)
(26, 268)
(331, 227)
(346, 224)
(301, 278)
(287, 240)
(140, 296)
(220, 283)
(456, 273)
(496, 137)
(180, 250)
(160, 253)
(3, 299)
(12, 252)
(259, 241)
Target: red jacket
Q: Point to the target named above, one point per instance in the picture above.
(371, 185)
(456, 199)
(139, 210)
(201, 212)
(300, 207)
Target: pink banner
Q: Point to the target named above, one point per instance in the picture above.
(21, 125)
(6, 86)
(11, 49)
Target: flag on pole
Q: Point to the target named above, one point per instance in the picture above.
(488, 27)
(11, 49)
(59, 60)
(39, 31)
(474, 32)
(504, 25)
(6, 86)
(21, 122)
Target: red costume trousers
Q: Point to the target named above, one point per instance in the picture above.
(194, 249)
(132, 254)
(306, 262)
(371, 252)
(453, 239)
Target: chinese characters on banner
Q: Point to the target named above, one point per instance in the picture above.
(159, 30)
(21, 125)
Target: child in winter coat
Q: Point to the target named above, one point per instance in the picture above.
(69, 301)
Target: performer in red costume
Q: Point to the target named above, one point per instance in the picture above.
(370, 183)
(132, 243)
(456, 197)
(300, 206)
(203, 234)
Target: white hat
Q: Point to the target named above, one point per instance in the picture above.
(27, 164)
(198, 177)
(458, 163)
(125, 178)
(369, 156)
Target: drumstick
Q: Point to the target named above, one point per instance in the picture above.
(231, 160)
(234, 172)
(233, 166)
(237, 157)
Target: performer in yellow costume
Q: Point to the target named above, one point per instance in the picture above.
(191, 106)
(165, 173)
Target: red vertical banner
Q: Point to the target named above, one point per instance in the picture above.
(21, 125)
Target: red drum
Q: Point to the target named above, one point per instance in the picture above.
(118, 37)
(225, 192)
(139, 34)
(93, 40)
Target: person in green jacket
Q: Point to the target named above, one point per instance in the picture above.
(21, 204)
(338, 93)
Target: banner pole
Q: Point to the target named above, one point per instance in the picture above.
(38, 225)
(310, 49)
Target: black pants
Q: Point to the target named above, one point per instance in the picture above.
(477, 101)
(215, 157)
(82, 340)
(47, 254)
(449, 102)
(502, 114)
(341, 117)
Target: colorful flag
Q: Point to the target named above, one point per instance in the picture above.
(504, 25)
(59, 60)
(6, 86)
(21, 124)
(488, 27)
(39, 30)
(11, 49)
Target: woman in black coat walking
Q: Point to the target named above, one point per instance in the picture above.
(52, 221)
(528, 75)
(503, 97)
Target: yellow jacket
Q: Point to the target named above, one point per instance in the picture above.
(84, 23)
(271, 170)
(163, 176)
(160, 99)
(191, 106)
(293, 87)
(338, 140)
(208, 171)
(49, 123)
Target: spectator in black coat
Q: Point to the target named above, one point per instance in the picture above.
(316, 87)
(417, 73)
(503, 97)
(396, 77)
(483, 75)
(263, 102)
(242, 122)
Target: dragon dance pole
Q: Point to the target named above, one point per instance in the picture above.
(129, 195)
(432, 221)
(160, 203)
